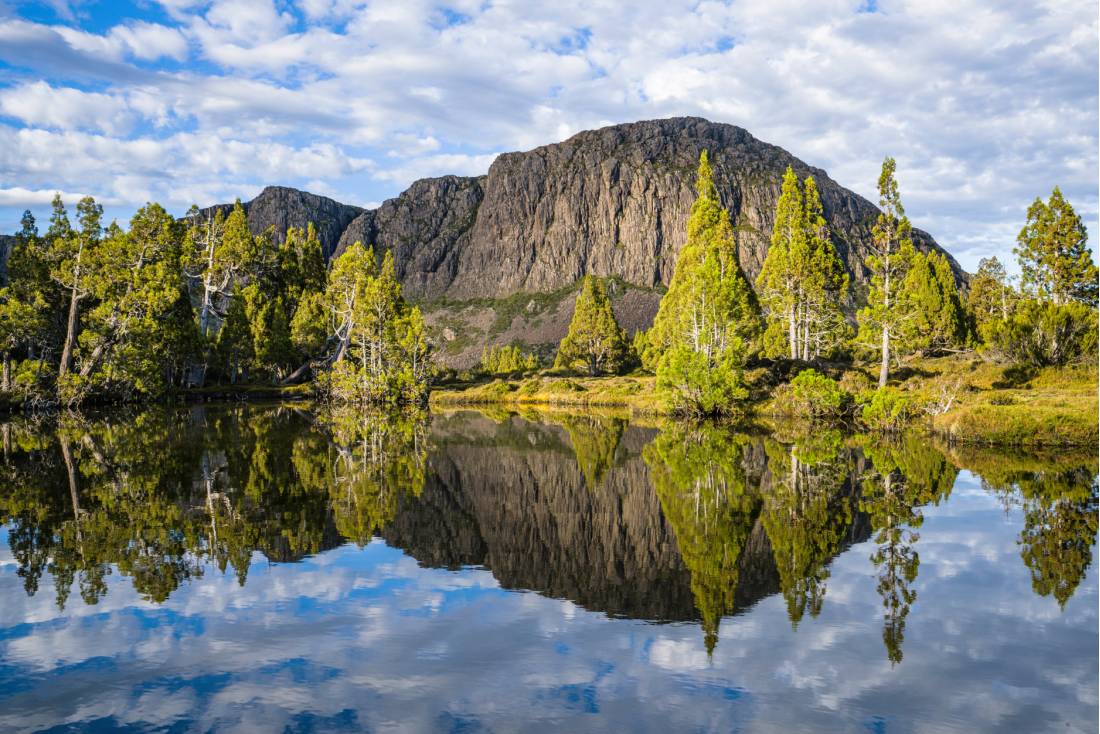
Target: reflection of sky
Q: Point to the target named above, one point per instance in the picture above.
(355, 639)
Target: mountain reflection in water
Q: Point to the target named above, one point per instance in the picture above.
(661, 522)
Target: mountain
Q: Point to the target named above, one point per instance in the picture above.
(495, 257)
(281, 207)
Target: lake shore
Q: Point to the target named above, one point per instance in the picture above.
(990, 404)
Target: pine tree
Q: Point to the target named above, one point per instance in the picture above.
(595, 339)
(1055, 260)
(780, 281)
(72, 253)
(220, 250)
(233, 344)
(802, 283)
(991, 295)
(346, 281)
(825, 327)
(929, 295)
(136, 285)
(707, 320)
(892, 248)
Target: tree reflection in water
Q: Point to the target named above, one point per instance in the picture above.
(643, 522)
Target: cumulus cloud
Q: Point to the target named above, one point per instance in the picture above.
(984, 104)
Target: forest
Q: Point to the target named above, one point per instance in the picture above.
(94, 313)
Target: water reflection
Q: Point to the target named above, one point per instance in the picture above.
(660, 523)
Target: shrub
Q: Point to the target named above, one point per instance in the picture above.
(1042, 333)
(815, 396)
(698, 388)
(887, 409)
(506, 360)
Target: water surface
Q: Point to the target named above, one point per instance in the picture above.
(273, 569)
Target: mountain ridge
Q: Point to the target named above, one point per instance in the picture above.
(611, 202)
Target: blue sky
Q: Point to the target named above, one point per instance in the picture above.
(985, 104)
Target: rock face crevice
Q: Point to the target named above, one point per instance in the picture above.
(607, 202)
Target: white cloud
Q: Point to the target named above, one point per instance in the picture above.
(985, 105)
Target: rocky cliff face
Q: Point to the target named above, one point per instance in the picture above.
(280, 208)
(613, 201)
(607, 202)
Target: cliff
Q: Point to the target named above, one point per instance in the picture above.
(607, 202)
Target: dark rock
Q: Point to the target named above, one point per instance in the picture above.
(281, 208)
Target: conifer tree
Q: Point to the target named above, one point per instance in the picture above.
(233, 343)
(802, 283)
(892, 249)
(707, 321)
(991, 295)
(780, 281)
(135, 285)
(1055, 260)
(929, 295)
(73, 254)
(219, 251)
(595, 339)
(346, 281)
(825, 328)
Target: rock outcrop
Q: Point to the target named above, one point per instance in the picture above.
(280, 208)
(612, 201)
(607, 202)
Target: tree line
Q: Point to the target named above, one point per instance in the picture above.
(710, 324)
(105, 313)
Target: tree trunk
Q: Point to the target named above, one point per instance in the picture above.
(792, 332)
(7, 371)
(70, 334)
(884, 369)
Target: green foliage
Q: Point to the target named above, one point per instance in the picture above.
(937, 319)
(698, 386)
(887, 409)
(1055, 260)
(699, 478)
(886, 314)
(802, 283)
(382, 354)
(707, 321)
(1044, 333)
(991, 297)
(309, 329)
(507, 360)
(595, 340)
(815, 396)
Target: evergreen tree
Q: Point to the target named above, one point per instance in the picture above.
(346, 281)
(136, 287)
(802, 283)
(73, 257)
(780, 281)
(1055, 260)
(825, 327)
(309, 329)
(506, 360)
(219, 252)
(892, 248)
(929, 294)
(595, 339)
(707, 320)
(991, 296)
(233, 344)
(271, 346)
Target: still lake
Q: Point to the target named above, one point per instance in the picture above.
(264, 568)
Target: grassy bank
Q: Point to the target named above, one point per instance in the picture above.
(637, 394)
(962, 399)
